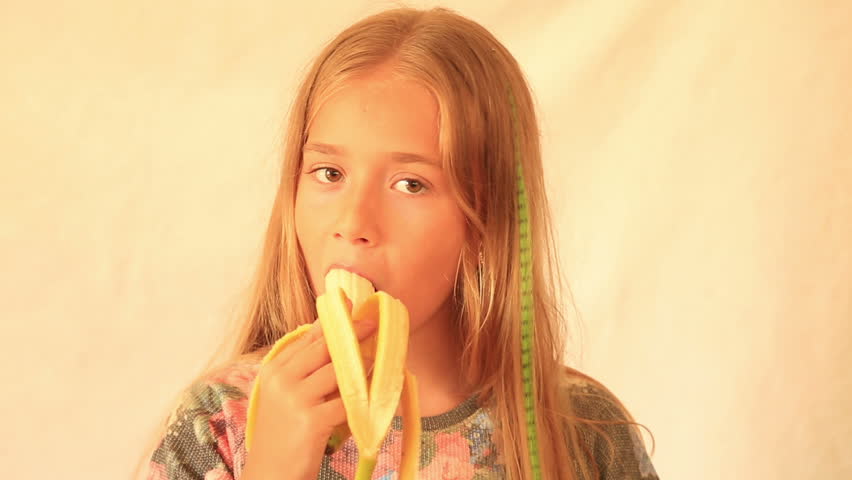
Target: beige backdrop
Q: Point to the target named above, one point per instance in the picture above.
(698, 157)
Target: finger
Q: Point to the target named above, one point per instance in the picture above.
(316, 355)
(309, 352)
(332, 396)
(331, 412)
(322, 383)
(310, 358)
(315, 332)
(296, 347)
(368, 320)
(365, 327)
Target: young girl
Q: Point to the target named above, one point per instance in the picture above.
(401, 164)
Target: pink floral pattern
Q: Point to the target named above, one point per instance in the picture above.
(345, 458)
(452, 458)
(448, 453)
(206, 440)
(390, 455)
(157, 471)
(218, 474)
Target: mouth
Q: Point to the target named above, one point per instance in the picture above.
(351, 269)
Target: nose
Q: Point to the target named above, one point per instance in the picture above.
(358, 218)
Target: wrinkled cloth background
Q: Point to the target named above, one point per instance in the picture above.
(699, 160)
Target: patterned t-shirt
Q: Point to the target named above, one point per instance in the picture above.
(206, 438)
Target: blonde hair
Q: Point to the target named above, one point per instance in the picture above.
(472, 76)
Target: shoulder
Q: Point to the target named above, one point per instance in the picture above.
(218, 389)
(589, 398)
(205, 431)
(605, 427)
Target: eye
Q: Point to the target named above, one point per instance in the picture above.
(412, 186)
(326, 175)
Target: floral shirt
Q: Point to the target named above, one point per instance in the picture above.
(206, 439)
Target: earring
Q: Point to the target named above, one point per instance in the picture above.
(480, 272)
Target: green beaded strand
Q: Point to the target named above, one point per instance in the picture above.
(527, 309)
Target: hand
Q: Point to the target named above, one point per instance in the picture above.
(299, 405)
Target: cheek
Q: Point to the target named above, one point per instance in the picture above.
(432, 256)
(307, 220)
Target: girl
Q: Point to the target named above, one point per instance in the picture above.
(401, 164)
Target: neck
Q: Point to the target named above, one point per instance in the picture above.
(434, 357)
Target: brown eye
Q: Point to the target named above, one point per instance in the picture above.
(327, 175)
(332, 175)
(412, 186)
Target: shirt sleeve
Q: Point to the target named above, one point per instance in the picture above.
(198, 443)
(618, 449)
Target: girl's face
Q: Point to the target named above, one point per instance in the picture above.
(372, 196)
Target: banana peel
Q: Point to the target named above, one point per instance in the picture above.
(370, 403)
(357, 290)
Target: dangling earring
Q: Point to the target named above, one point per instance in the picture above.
(480, 272)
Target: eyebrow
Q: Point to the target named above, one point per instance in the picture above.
(400, 157)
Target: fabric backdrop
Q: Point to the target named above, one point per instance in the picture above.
(699, 162)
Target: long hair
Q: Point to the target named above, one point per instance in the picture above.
(472, 76)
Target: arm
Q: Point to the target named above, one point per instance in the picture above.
(199, 441)
(618, 449)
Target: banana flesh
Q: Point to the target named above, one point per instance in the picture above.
(357, 289)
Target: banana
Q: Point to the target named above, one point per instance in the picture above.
(411, 429)
(370, 405)
(357, 290)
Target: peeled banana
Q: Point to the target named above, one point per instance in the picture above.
(370, 405)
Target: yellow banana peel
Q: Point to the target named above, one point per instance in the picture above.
(370, 404)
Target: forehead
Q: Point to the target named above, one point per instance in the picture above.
(379, 113)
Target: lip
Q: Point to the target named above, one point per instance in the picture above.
(350, 268)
